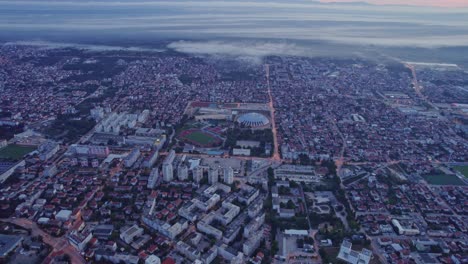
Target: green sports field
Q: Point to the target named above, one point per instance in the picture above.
(462, 169)
(201, 138)
(443, 179)
(15, 152)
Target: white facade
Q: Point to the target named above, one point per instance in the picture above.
(182, 173)
(197, 174)
(168, 172)
(153, 178)
(228, 175)
(213, 176)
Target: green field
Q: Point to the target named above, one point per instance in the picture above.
(443, 179)
(201, 138)
(462, 169)
(15, 152)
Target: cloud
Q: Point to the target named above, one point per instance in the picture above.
(201, 19)
(255, 51)
(89, 47)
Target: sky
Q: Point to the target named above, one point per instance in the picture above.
(442, 3)
(214, 21)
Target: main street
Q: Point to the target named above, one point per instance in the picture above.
(276, 155)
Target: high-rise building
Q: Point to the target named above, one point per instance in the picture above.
(170, 157)
(228, 175)
(182, 172)
(168, 172)
(168, 169)
(132, 157)
(213, 176)
(153, 178)
(197, 174)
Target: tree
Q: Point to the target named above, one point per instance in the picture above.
(290, 205)
(274, 248)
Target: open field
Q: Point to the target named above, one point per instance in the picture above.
(199, 138)
(443, 179)
(15, 152)
(462, 169)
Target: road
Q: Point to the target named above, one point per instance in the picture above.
(57, 243)
(276, 155)
(417, 86)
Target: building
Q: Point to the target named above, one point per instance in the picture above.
(80, 239)
(8, 168)
(153, 178)
(48, 149)
(240, 152)
(213, 176)
(103, 231)
(8, 243)
(89, 150)
(97, 113)
(170, 157)
(50, 170)
(227, 212)
(165, 228)
(251, 228)
(248, 194)
(228, 175)
(132, 157)
(197, 174)
(204, 225)
(130, 233)
(182, 172)
(402, 229)
(152, 259)
(353, 257)
(297, 173)
(63, 215)
(168, 169)
(188, 251)
(151, 159)
(168, 172)
(3, 143)
(252, 243)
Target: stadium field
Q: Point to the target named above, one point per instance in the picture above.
(462, 169)
(15, 152)
(443, 179)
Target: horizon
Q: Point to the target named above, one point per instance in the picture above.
(431, 3)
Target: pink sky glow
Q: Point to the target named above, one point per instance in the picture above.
(442, 3)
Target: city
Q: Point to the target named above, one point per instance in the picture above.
(192, 174)
(162, 155)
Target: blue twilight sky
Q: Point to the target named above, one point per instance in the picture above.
(356, 23)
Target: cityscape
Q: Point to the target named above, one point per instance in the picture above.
(166, 155)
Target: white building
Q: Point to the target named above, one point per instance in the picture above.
(48, 149)
(213, 176)
(240, 152)
(149, 161)
(405, 230)
(228, 175)
(354, 257)
(63, 215)
(197, 174)
(182, 172)
(168, 172)
(132, 157)
(130, 233)
(153, 178)
(80, 239)
(152, 259)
